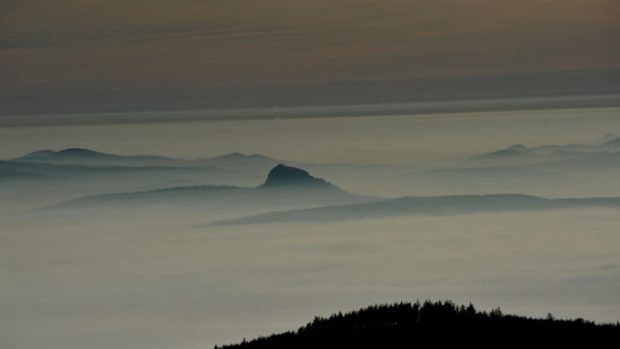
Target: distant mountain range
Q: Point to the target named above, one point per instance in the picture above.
(607, 145)
(312, 199)
(519, 167)
(584, 170)
(285, 186)
(511, 162)
(79, 156)
(432, 206)
(74, 166)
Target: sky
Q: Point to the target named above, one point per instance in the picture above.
(95, 55)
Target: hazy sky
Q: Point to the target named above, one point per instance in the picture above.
(92, 55)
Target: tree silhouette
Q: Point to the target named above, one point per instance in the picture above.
(411, 325)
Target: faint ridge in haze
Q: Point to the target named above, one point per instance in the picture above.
(613, 143)
(515, 150)
(285, 186)
(607, 137)
(607, 144)
(82, 156)
(48, 154)
(424, 206)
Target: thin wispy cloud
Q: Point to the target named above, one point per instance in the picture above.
(77, 48)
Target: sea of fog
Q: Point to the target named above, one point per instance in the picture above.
(163, 278)
(167, 281)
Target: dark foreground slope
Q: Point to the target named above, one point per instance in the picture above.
(407, 325)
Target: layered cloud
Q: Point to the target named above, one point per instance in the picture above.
(128, 53)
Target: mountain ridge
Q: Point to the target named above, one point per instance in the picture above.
(84, 156)
(284, 192)
(429, 206)
(521, 151)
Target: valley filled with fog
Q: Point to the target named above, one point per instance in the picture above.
(191, 234)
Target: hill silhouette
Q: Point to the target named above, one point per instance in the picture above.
(609, 143)
(435, 324)
(283, 175)
(430, 206)
(82, 156)
(284, 187)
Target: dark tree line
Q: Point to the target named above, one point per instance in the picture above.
(420, 325)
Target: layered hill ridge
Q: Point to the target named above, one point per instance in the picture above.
(608, 143)
(83, 156)
(285, 186)
(423, 206)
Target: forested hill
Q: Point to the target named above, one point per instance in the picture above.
(407, 325)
